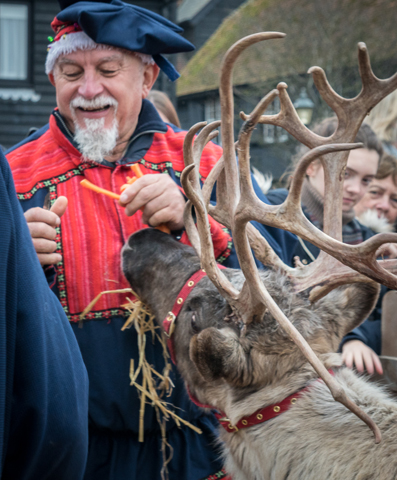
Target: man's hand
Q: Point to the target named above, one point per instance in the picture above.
(42, 224)
(358, 353)
(159, 198)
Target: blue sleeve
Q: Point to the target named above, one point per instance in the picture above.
(282, 242)
(369, 333)
(43, 381)
(286, 242)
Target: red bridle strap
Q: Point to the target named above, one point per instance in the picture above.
(170, 319)
(264, 414)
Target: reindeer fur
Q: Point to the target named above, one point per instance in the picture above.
(317, 438)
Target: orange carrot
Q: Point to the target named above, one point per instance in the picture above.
(137, 170)
(138, 174)
(130, 181)
(97, 189)
(163, 228)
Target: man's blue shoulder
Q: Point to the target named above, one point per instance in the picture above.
(34, 136)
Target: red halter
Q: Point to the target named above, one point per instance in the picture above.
(170, 319)
(260, 416)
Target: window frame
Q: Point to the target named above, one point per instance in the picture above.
(28, 82)
(213, 103)
(271, 134)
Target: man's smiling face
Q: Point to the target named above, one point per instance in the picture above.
(102, 85)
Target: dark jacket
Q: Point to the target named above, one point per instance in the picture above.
(43, 381)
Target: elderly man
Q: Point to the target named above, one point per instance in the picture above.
(103, 62)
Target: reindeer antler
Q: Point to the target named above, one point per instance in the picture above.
(238, 206)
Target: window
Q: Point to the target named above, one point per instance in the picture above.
(212, 112)
(272, 134)
(14, 42)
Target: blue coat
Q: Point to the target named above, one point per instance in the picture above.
(43, 381)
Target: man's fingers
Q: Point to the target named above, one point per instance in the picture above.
(41, 223)
(158, 197)
(147, 187)
(49, 259)
(59, 207)
(163, 203)
(40, 215)
(144, 196)
(167, 216)
(41, 230)
(41, 245)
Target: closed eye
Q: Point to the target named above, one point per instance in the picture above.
(194, 323)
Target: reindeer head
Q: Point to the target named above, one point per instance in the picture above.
(213, 354)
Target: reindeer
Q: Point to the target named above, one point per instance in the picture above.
(258, 346)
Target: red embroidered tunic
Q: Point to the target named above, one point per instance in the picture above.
(95, 227)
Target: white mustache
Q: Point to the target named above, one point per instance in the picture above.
(97, 102)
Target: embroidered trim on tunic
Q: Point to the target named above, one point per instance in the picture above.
(218, 475)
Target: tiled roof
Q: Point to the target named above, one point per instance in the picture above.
(323, 33)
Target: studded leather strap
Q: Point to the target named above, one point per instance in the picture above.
(264, 414)
(170, 319)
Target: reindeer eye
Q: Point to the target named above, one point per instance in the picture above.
(194, 324)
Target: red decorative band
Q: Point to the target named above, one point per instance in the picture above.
(62, 28)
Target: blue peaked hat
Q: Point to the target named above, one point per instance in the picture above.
(116, 24)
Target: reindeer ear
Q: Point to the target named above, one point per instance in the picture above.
(218, 354)
(345, 308)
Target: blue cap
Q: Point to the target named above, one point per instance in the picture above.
(133, 28)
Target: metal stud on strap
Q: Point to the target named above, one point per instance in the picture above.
(170, 318)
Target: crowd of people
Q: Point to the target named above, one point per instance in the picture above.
(68, 410)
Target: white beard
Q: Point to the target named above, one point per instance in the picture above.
(95, 142)
(370, 219)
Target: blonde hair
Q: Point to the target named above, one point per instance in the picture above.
(387, 168)
(164, 105)
(383, 118)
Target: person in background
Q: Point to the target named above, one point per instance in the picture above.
(43, 381)
(361, 168)
(383, 121)
(378, 207)
(164, 107)
(378, 211)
